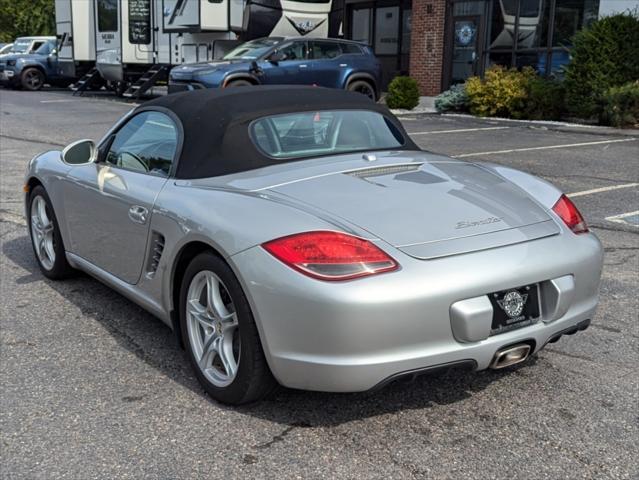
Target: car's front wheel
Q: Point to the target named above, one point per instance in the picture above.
(32, 79)
(220, 334)
(45, 236)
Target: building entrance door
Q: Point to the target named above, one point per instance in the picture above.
(466, 43)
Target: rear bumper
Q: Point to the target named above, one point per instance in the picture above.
(353, 336)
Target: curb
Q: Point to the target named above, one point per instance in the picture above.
(536, 124)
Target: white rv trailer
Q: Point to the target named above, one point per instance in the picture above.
(131, 36)
(139, 40)
(76, 36)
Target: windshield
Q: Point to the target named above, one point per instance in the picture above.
(21, 46)
(252, 50)
(306, 134)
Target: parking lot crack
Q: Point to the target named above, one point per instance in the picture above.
(33, 140)
(282, 435)
(275, 439)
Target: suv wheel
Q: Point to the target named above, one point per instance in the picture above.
(32, 79)
(364, 87)
(239, 83)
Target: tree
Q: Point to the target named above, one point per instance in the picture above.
(26, 17)
(604, 55)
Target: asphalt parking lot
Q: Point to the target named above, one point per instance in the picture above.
(91, 386)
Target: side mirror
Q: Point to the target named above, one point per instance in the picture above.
(80, 152)
(277, 57)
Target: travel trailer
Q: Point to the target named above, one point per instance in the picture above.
(76, 37)
(138, 41)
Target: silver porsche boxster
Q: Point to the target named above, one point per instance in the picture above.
(298, 236)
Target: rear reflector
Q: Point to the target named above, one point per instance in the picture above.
(569, 213)
(330, 255)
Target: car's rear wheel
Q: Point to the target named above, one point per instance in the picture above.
(45, 236)
(220, 333)
(32, 79)
(363, 87)
(239, 83)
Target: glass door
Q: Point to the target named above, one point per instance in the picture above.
(361, 24)
(466, 44)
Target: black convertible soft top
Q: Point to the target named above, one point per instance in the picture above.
(216, 122)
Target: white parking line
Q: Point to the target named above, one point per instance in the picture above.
(602, 189)
(547, 147)
(458, 130)
(62, 100)
(620, 218)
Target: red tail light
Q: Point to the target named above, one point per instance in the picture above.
(330, 255)
(570, 215)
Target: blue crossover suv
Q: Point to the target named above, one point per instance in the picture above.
(286, 61)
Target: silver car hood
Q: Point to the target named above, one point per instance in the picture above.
(430, 209)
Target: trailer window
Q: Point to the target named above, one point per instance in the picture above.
(140, 22)
(107, 15)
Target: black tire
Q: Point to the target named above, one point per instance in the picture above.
(238, 83)
(364, 87)
(32, 79)
(60, 268)
(253, 380)
(119, 88)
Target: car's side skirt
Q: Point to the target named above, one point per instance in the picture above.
(132, 292)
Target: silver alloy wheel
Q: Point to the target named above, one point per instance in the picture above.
(33, 79)
(42, 232)
(213, 328)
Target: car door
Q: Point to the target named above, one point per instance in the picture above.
(325, 57)
(109, 203)
(293, 70)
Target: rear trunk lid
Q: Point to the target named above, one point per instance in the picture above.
(430, 209)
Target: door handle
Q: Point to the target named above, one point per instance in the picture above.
(303, 66)
(138, 214)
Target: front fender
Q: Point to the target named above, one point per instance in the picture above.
(49, 170)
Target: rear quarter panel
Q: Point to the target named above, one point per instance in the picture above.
(227, 221)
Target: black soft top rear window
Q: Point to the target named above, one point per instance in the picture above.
(300, 135)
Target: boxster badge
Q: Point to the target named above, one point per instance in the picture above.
(513, 303)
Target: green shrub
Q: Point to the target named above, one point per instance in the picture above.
(501, 93)
(403, 92)
(604, 55)
(454, 99)
(545, 99)
(621, 106)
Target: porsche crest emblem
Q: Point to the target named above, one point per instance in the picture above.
(513, 303)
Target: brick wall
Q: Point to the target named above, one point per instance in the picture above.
(427, 44)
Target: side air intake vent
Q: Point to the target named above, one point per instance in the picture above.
(387, 170)
(157, 247)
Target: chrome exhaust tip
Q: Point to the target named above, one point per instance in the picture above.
(510, 356)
